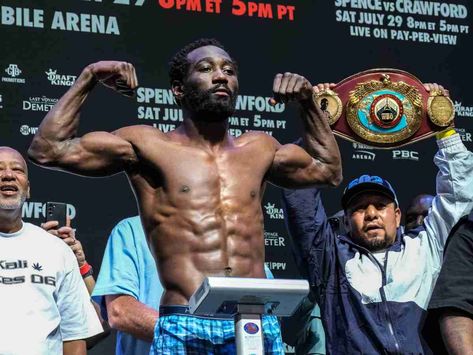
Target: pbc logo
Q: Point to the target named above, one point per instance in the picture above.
(406, 155)
(273, 212)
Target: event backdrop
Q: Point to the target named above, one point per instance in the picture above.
(45, 45)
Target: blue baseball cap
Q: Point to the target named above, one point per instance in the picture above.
(367, 183)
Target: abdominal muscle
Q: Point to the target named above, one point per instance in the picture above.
(191, 244)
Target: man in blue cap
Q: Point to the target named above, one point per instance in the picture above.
(373, 284)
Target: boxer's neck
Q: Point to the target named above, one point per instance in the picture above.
(206, 133)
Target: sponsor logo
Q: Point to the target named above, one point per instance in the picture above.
(273, 265)
(37, 210)
(464, 134)
(43, 104)
(273, 212)
(272, 239)
(60, 79)
(362, 152)
(27, 130)
(13, 72)
(1, 101)
(251, 328)
(289, 349)
(463, 111)
(406, 155)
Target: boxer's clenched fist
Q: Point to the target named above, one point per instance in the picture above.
(119, 76)
(291, 87)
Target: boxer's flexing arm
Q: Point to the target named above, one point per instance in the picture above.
(319, 163)
(55, 145)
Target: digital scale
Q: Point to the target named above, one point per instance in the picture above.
(248, 299)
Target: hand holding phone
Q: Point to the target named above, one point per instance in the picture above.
(56, 211)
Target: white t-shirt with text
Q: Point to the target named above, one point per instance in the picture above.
(43, 299)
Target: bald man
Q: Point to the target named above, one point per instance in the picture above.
(417, 210)
(44, 304)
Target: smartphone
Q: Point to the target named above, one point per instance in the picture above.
(56, 211)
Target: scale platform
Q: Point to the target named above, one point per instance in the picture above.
(221, 295)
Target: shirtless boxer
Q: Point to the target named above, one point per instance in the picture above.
(199, 189)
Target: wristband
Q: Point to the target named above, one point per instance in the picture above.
(84, 269)
(88, 273)
(446, 133)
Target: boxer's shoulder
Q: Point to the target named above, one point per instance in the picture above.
(138, 132)
(258, 138)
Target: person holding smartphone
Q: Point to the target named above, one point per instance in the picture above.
(45, 307)
(62, 229)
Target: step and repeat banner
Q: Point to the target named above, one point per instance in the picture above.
(46, 44)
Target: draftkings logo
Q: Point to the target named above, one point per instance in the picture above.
(40, 104)
(60, 79)
(463, 111)
(362, 152)
(272, 239)
(13, 72)
(273, 212)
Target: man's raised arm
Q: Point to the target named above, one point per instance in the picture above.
(319, 163)
(55, 145)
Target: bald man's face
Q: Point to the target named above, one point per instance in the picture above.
(417, 211)
(14, 184)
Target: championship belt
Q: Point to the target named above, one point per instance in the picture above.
(385, 108)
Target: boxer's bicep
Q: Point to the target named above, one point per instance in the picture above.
(93, 154)
(294, 167)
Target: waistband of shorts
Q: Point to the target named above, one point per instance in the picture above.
(184, 311)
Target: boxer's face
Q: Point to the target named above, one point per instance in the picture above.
(373, 220)
(211, 85)
(14, 184)
(417, 211)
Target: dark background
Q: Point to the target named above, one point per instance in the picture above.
(313, 44)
